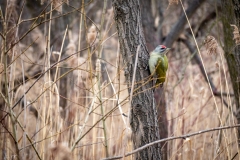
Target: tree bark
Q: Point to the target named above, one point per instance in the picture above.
(152, 42)
(233, 61)
(148, 25)
(236, 7)
(230, 51)
(143, 115)
(229, 15)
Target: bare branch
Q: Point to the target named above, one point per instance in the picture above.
(179, 26)
(172, 138)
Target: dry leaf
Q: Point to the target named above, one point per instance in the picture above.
(236, 35)
(211, 45)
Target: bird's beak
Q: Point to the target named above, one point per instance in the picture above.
(167, 50)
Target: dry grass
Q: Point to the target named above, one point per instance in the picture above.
(236, 35)
(72, 125)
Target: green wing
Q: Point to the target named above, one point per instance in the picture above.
(161, 69)
(158, 65)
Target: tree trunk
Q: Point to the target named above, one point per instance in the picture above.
(234, 59)
(229, 16)
(148, 25)
(143, 115)
(152, 42)
(236, 6)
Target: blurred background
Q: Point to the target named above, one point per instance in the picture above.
(63, 90)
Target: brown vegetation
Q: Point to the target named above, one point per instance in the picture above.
(63, 94)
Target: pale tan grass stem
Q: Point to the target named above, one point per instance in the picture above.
(215, 103)
(79, 72)
(25, 108)
(4, 60)
(47, 109)
(84, 124)
(133, 80)
(229, 99)
(203, 147)
(60, 53)
(117, 98)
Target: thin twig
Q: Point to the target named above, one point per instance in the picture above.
(85, 122)
(59, 56)
(118, 104)
(172, 138)
(134, 73)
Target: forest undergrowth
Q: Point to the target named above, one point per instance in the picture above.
(64, 94)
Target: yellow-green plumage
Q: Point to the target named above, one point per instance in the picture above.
(158, 64)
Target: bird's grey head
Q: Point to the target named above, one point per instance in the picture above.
(161, 49)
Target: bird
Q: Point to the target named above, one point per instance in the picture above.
(158, 64)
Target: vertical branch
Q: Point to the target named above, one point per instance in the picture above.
(230, 15)
(8, 39)
(182, 21)
(233, 60)
(143, 115)
(98, 70)
(148, 24)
